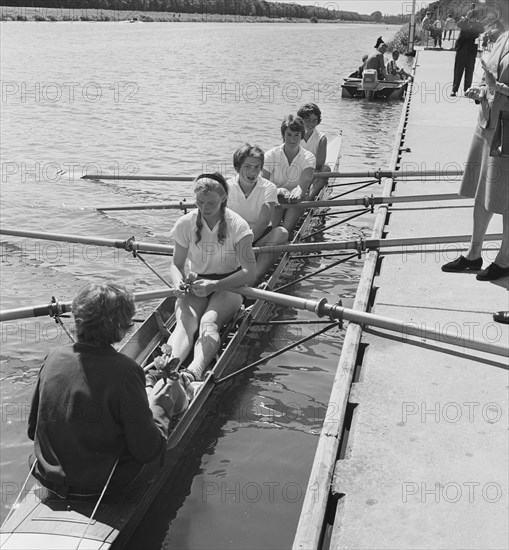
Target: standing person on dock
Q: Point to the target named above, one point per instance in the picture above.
(486, 176)
(436, 30)
(426, 28)
(316, 143)
(291, 168)
(218, 244)
(255, 198)
(466, 51)
(90, 417)
(450, 25)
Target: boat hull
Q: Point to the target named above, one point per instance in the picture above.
(43, 521)
(386, 90)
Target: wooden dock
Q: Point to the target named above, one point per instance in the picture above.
(414, 448)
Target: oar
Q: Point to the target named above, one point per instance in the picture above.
(365, 244)
(359, 245)
(147, 206)
(365, 201)
(57, 308)
(129, 177)
(322, 308)
(129, 244)
(377, 174)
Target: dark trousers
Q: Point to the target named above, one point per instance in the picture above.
(464, 63)
(437, 37)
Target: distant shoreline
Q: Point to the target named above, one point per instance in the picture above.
(21, 14)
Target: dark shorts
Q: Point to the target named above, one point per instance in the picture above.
(217, 276)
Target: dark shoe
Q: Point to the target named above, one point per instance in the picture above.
(492, 272)
(501, 317)
(453, 94)
(462, 264)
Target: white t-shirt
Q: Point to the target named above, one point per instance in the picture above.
(312, 143)
(281, 173)
(264, 192)
(209, 256)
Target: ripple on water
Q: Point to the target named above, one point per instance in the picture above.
(169, 106)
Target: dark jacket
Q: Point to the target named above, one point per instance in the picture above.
(89, 408)
(469, 31)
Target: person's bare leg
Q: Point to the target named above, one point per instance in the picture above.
(221, 308)
(188, 312)
(292, 216)
(502, 258)
(318, 183)
(481, 221)
(264, 261)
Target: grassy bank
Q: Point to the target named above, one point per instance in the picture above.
(9, 13)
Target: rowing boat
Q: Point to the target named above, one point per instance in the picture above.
(42, 521)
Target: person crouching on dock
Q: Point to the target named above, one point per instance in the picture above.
(291, 168)
(255, 198)
(218, 244)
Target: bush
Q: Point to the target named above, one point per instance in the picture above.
(52, 18)
(314, 19)
(21, 18)
(39, 17)
(400, 40)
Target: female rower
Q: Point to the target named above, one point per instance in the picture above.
(90, 414)
(291, 168)
(218, 244)
(316, 143)
(254, 198)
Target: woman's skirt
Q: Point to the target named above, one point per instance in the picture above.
(486, 178)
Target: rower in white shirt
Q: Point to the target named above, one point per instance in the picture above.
(316, 143)
(255, 198)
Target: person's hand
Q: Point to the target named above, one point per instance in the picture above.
(489, 77)
(476, 93)
(162, 396)
(296, 195)
(180, 291)
(283, 195)
(203, 287)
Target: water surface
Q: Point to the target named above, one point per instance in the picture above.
(175, 99)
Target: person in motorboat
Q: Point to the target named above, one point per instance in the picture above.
(316, 143)
(255, 198)
(376, 59)
(291, 168)
(217, 243)
(393, 71)
(360, 70)
(90, 416)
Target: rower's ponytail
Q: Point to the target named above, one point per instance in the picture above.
(199, 227)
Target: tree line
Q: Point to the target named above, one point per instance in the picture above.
(255, 8)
